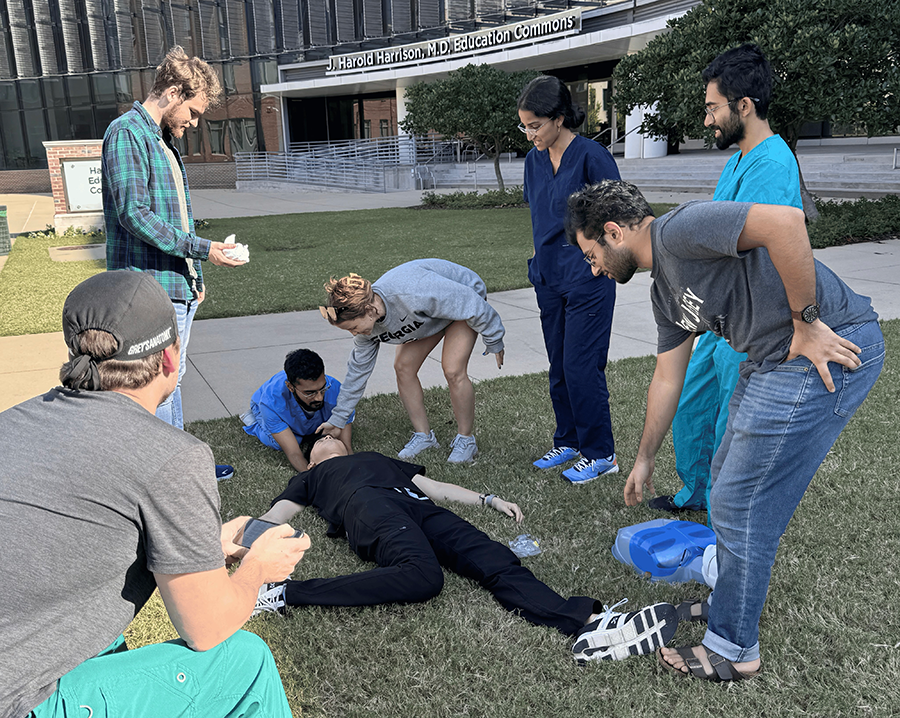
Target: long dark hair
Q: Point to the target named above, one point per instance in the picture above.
(546, 96)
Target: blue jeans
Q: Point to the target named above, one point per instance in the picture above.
(702, 416)
(782, 423)
(170, 410)
(576, 322)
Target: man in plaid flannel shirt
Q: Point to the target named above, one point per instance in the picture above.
(147, 208)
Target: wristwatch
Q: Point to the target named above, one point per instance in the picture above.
(808, 315)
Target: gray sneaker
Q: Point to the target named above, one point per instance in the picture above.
(464, 450)
(616, 636)
(417, 444)
(270, 599)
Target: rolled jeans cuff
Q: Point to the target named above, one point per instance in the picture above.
(729, 650)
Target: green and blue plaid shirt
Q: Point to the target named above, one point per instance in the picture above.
(141, 207)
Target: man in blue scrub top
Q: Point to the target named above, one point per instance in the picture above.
(738, 90)
(287, 410)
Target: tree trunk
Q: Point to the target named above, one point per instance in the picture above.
(497, 172)
(809, 206)
(790, 135)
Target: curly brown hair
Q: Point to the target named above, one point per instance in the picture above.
(348, 298)
(191, 75)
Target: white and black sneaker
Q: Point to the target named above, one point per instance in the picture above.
(270, 599)
(616, 636)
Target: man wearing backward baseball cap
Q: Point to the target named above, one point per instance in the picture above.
(100, 503)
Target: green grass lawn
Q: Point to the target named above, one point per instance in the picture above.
(830, 634)
(291, 257)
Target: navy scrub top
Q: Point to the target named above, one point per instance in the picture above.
(556, 263)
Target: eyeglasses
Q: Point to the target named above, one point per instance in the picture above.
(711, 111)
(532, 130)
(590, 259)
(315, 392)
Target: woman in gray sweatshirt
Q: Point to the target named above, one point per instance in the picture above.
(414, 306)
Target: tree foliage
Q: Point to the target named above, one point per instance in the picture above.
(835, 60)
(476, 101)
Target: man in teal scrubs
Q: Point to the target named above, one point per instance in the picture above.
(738, 90)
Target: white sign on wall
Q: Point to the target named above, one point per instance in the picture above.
(82, 183)
(547, 27)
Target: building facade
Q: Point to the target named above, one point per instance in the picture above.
(293, 70)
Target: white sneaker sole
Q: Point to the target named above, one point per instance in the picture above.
(650, 628)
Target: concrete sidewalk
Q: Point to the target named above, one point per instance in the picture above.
(229, 358)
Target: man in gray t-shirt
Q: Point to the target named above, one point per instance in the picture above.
(746, 273)
(101, 503)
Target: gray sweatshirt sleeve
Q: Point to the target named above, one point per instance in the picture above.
(359, 366)
(448, 299)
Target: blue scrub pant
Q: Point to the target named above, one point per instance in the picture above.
(699, 423)
(236, 678)
(576, 322)
(782, 425)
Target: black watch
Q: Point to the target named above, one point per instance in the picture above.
(808, 315)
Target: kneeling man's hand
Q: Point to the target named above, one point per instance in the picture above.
(277, 552)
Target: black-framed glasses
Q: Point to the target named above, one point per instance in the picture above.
(711, 111)
(532, 130)
(591, 259)
(315, 392)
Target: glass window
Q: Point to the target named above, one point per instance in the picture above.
(385, 128)
(31, 95)
(228, 81)
(8, 99)
(216, 129)
(194, 136)
(79, 93)
(104, 88)
(60, 128)
(37, 134)
(242, 132)
(180, 144)
(367, 129)
(82, 124)
(103, 116)
(54, 92)
(13, 140)
(267, 71)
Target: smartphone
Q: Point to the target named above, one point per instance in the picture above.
(254, 528)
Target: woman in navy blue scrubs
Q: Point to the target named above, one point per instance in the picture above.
(576, 307)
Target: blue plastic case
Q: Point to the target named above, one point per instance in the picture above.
(665, 549)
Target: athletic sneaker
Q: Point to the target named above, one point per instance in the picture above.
(588, 470)
(417, 444)
(224, 471)
(464, 450)
(557, 456)
(270, 599)
(616, 636)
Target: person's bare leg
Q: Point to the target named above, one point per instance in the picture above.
(408, 359)
(459, 341)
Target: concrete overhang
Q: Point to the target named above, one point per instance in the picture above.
(587, 47)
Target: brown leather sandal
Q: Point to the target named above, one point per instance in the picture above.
(722, 669)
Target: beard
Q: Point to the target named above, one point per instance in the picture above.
(619, 264)
(730, 131)
(168, 124)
